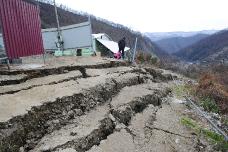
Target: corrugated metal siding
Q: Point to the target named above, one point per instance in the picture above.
(21, 28)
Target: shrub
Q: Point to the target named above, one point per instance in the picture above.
(140, 57)
(154, 60)
(210, 87)
(146, 58)
(209, 105)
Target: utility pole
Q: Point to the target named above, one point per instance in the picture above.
(90, 24)
(38, 6)
(59, 36)
(57, 17)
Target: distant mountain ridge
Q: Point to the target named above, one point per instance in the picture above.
(211, 48)
(156, 36)
(174, 44)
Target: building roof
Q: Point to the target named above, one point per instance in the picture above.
(111, 45)
(99, 36)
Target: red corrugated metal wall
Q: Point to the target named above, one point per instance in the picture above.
(21, 28)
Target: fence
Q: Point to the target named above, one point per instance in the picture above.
(21, 28)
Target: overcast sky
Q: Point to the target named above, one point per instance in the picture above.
(158, 15)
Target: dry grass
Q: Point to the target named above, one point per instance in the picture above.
(145, 58)
(213, 81)
(221, 72)
(210, 86)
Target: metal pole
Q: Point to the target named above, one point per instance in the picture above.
(59, 36)
(133, 58)
(215, 127)
(44, 58)
(211, 122)
(8, 64)
(57, 17)
(90, 22)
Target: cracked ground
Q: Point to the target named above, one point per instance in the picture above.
(105, 106)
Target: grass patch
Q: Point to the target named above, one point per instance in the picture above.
(212, 135)
(181, 90)
(190, 123)
(216, 139)
(225, 121)
(209, 105)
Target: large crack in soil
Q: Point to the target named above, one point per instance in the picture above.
(108, 125)
(147, 132)
(60, 78)
(83, 144)
(166, 131)
(28, 129)
(124, 113)
(60, 70)
(33, 86)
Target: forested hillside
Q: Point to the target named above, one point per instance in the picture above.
(115, 31)
(212, 48)
(174, 44)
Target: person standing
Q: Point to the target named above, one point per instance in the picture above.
(122, 44)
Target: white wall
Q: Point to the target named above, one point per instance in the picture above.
(74, 36)
(1, 40)
(49, 39)
(2, 50)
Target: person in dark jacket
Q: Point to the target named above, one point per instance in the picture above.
(122, 44)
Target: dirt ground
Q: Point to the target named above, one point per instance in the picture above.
(49, 61)
(91, 104)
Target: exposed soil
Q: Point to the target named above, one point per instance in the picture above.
(99, 106)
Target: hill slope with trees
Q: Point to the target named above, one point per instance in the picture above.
(212, 48)
(68, 16)
(174, 44)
